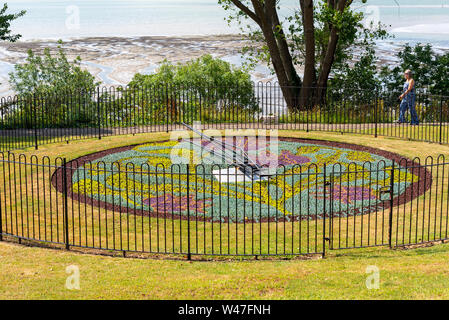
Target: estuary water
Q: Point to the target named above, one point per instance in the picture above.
(84, 24)
(415, 20)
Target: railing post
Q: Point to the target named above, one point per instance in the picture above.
(35, 121)
(189, 256)
(98, 113)
(1, 226)
(200, 118)
(390, 218)
(307, 117)
(331, 211)
(441, 119)
(168, 106)
(376, 110)
(324, 210)
(66, 214)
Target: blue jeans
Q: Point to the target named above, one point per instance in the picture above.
(408, 103)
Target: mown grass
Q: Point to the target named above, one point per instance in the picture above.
(424, 132)
(340, 275)
(37, 273)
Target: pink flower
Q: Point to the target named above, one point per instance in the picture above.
(168, 203)
(348, 194)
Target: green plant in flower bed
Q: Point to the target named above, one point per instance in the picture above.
(153, 178)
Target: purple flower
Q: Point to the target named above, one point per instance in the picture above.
(287, 159)
(168, 203)
(348, 194)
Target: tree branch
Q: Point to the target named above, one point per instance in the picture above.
(246, 10)
(286, 57)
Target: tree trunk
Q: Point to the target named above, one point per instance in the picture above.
(309, 79)
(280, 56)
(286, 57)
(328, 59)
(297, 93)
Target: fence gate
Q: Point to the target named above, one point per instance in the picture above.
(421, 215)
(411, 207)
(359, 206)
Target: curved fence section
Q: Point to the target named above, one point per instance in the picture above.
(27, 121)
(211, 210)
(183, 209)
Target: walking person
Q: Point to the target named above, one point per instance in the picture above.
(408, 99)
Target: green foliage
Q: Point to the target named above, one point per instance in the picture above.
(354, 36)
(205, 81)
(430, 70)
(440, 79)
(57, 93)
(48, 74)
(202, 75)
(202, 72)
(360, 78)
(50, 111)
(357, 75)
(5, 24)
(53, 91)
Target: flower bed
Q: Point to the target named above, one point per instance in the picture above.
(149, 180)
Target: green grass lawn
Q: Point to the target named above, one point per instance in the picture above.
(423, 132)
(31, 272)
(38, 273)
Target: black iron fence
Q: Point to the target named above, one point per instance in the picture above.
(180, 210)
(27, 121)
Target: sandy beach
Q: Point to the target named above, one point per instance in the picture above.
(115, 60)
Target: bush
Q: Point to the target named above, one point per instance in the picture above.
(53, 91)
(50, 75)
(198, 85)
(359, 81)
(430, 70)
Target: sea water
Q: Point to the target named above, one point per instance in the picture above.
(410, 21)
(414, 20)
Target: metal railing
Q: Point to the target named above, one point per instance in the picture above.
(27, 121)
(179, 210)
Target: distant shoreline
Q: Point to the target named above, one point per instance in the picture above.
(160, 37)
(115, 60)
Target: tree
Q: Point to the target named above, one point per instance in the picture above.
(5, 24)
(320, 35)
(440, 75)
(205, 77)
(360, 78)
(200, 89)
(59, 87)
(48, 74)
(430, 70)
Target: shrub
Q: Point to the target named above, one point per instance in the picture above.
(48, 74)
(207, 83)
(53, 91)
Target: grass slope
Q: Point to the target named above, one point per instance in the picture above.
(37, 273)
